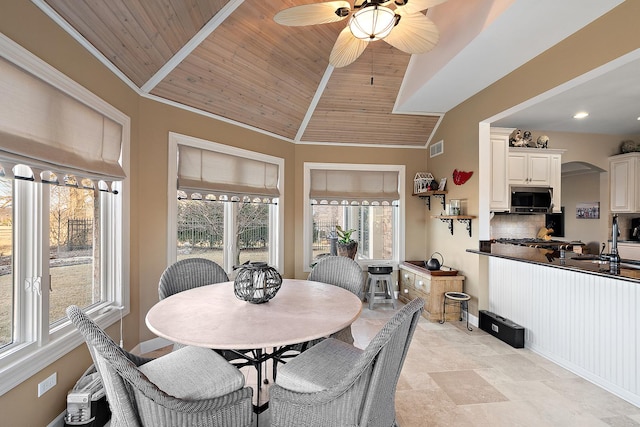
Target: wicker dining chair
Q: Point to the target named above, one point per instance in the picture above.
(190, 273)
(188, 387)
(335, 384)
(345, 273)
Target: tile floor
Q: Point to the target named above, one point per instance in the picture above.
(453, 377)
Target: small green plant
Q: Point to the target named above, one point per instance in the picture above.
(344, 236)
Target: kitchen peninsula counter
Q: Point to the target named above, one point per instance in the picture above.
(551, 258)
(575, 313)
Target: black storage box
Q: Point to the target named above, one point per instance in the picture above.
(501, 328)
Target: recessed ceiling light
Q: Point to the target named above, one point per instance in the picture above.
(580, 115)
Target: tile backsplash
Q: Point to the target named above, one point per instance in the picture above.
(516, 226)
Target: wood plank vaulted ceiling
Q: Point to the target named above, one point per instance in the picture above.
(228, 59)
(231, 60)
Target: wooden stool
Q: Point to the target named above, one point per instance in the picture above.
(387, 288)
(452, 298)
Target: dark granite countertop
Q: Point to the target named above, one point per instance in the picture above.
(552, 258)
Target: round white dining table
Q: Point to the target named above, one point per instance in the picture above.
(213, 317)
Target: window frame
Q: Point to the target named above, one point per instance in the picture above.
(398, 242)
(276, 232)
(21, 360)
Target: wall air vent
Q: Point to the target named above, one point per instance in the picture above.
(436, 149)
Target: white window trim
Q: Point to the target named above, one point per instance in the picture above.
(398, 244)
(23, 361)
(277, 232)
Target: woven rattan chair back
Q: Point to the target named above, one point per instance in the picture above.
(389, 349)
(339, 271)
(188, 274)
(136, 401)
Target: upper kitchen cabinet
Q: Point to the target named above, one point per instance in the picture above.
(499, 147)
(537, 167)
(624, 173)
(534, 167)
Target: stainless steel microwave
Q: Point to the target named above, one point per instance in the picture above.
(531, 200)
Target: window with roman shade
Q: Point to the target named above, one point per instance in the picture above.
(368, 198)
(61, 139)
(228, 202)
(353, 187)
(214, 175)
(65, 243)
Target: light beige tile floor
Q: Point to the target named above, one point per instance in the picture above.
(454, 377)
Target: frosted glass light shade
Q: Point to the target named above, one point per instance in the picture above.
(372, 23)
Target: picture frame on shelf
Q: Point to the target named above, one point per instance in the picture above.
(443, 184)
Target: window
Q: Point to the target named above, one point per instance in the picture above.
(366, 198)
(201, 231)
(6, 262)
(227, 204)
(63, 212)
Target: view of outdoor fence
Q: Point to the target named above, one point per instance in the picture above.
(201, 231)
(322, 229)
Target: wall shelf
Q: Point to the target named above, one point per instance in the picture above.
(464, 219)
(436, 193)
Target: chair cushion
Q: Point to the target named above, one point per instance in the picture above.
(193, 373)
(319, 368)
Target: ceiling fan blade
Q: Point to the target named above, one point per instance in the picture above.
(414, 6)
(347, 49)
(415, 33)
(312, 14)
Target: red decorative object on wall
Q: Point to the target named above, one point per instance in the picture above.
(460, 177)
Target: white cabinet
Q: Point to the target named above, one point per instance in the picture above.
(529, 168)
(624, 173)
(537, 168)
(629, 250)
(499, 148)
(555, 181)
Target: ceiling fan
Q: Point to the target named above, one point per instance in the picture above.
(403, 26)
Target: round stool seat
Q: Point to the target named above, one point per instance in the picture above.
(458, 296)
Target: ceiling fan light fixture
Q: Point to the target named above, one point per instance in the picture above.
(372, 22)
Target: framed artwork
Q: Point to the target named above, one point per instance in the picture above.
(588, 210)
(443, 183)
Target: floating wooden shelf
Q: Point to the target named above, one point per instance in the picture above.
(436, 193)
(465, 219)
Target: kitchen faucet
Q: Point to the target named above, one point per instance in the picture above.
(614, 258)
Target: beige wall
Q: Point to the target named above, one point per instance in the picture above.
(613, 35)
(23, 22)
(156, 121)
(606, 39)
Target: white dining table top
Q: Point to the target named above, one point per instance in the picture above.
(212, 316)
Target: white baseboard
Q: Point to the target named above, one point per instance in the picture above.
(58, 421)
(150, 345)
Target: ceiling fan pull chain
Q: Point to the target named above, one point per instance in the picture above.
(371, 67)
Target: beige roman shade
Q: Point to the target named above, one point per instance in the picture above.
(225, 176)
(46, 129)
(354, 186)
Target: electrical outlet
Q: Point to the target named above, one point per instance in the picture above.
(47, 384)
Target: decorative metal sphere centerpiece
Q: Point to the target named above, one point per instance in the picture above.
(256, 282)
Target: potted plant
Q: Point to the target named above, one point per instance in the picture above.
(346, 245)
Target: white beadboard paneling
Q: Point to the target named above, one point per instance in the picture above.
(587, 323)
